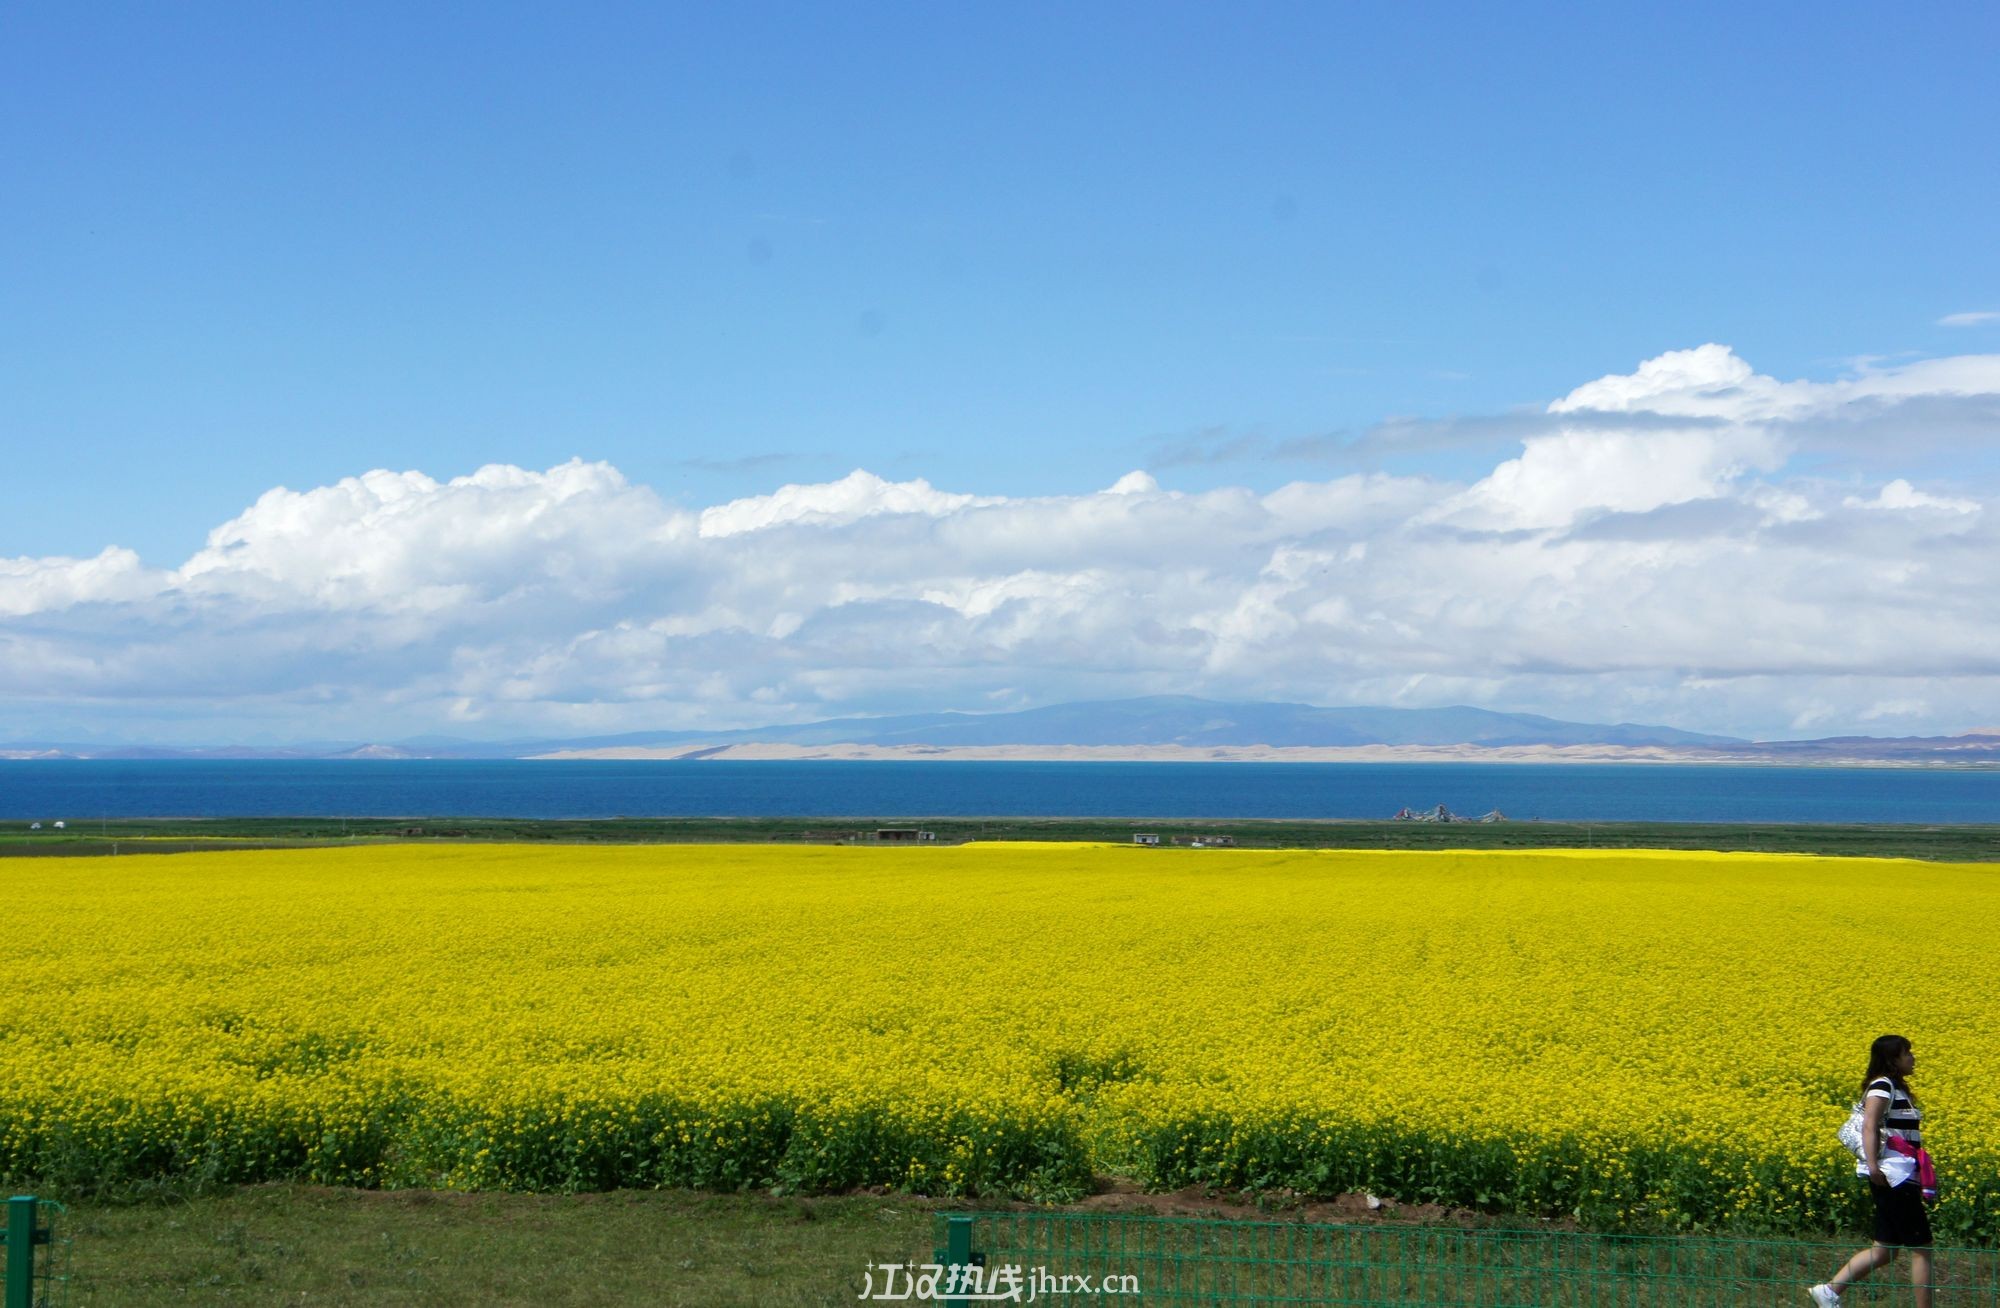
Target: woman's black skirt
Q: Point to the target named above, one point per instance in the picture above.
(1900, 1218)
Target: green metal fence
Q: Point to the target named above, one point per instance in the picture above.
(30, 1280)
(1100, 1259)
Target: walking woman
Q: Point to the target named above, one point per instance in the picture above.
(1891, 1160)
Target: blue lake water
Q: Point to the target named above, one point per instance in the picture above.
(85, 789)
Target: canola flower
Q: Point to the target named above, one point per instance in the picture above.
(1639, 1038)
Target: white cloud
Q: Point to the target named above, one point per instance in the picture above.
(1711, 382)
(1134, 483)
(1575, 470)
(52, 584)
(1561, 477)
(1704, 381)
(1651, 556)
(860, 494)
(1976, 318)
(402, 541)
(1899, 494)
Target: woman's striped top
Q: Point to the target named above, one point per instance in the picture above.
(1902, 1117)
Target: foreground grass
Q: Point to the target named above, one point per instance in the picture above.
(292, 1244)
(1941, 843)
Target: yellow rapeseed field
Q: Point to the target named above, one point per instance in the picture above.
(1640, 1038)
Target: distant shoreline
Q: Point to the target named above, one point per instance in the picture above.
(1523, 754)
(1979, 754)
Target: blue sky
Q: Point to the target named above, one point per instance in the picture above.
(1016, 252)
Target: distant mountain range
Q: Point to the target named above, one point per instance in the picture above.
(1185, 720)
(1165, 725)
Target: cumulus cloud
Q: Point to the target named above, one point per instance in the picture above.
(860, 494)
(29, 586)
(1708, 381)
(1560, 478)
(387, 541)
(1655, 547)
(1899, 494)
(1929, 413)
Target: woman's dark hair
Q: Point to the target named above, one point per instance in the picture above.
(1882, 1057)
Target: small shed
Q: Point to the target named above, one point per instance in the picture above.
(1145, 837)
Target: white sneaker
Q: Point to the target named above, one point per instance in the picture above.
(1825, 1296)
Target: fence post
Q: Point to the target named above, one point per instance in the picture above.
(21, 1251)
(957, 1249)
